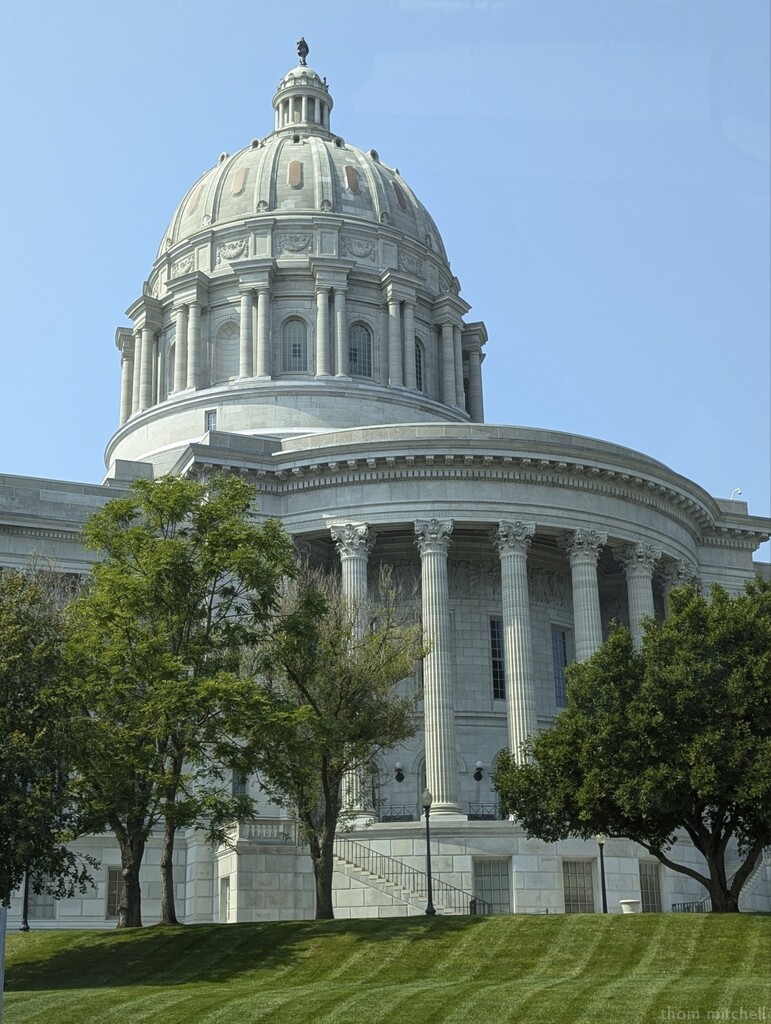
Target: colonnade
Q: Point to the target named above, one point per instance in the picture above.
(512, 541)
(141, 361)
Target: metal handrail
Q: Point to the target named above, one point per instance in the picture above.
(484, 812)
(704, 906)
(408, 879)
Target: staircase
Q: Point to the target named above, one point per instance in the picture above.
(395, 888)
(705, 906)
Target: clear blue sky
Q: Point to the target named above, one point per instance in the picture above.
(599, 172)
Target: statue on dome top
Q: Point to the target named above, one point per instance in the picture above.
(302, 51)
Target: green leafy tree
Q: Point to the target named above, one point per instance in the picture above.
(674, 736)
(186, 580)
(38, 740)
(337, 686)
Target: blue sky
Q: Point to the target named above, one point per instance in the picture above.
(599, 171)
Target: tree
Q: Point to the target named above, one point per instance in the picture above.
(38, 740)
(336, 685)
(674, 736)
(186, 580)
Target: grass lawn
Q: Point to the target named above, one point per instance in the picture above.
(625, 969)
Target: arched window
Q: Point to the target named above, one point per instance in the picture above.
(360, 351)
(225, 362)
(419, 366)
(294, 346)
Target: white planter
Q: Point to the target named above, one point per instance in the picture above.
(630, 906)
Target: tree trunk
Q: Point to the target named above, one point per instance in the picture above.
(168, 910)
(130, 910)
(723, 902)
(323, 870)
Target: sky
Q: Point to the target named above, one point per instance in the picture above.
(599, 171)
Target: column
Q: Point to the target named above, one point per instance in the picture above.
(322, 332)
(396, 377)
(676, 573)
(457, 338)
(639, 561)
(180, 350)
(304, 115)
(341, 334)
(410, 379)
(146, 372)
(137, 371)
(245, 334)
(264, 367)
(194, 345)
(354, 542)
(513, 541)
(126, 380)
(433, 539)
(583, 550)
(448, 364)
(475, 401)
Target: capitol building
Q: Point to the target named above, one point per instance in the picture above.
(301, 326)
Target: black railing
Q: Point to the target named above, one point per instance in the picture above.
(397, 812)
(411, 881)
(484, 812)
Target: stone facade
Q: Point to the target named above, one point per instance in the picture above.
(301, 326)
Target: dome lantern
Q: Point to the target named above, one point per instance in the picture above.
(302, 100)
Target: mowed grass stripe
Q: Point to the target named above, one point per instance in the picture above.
(482, 970)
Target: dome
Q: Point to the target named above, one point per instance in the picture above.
(300, 286)
(302, 167)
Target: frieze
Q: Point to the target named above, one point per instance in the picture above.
(294, 243)
(549, 587)
(227, 251)
(184, 266)
(357, 247)
(410, 264)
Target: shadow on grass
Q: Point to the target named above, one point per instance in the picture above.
(199, 953)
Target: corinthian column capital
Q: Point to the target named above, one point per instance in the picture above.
(583, 545)
(433, 535)
(514, 537)
(639, 559)
(353, 540)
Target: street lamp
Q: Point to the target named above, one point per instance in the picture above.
(425, 802)
(601, 843)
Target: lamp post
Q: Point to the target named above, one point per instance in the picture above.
(425, 802)
(601, 843)
(24, 927)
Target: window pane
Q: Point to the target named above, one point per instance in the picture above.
(491, 883)
(497, 661)
(114, 891)
(294, 347)
(650, 887)
(559, 649)
(579, 889)
(359, 351)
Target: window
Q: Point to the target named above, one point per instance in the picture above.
(579, 888)
(650, 887)
(561, 644)
(210, 419)
(491, 883)
(360, 351)
(114, 891)
(497, 660)
(226, 353)
(238, 784)
(418, 366)
(41, 905)
(294, 346)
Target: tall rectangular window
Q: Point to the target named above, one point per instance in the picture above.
(650, 887)
(491, 883)
(497, 659)
(579, 888)
(114, 892)
(561, 644)
(41, 905)
(210, 419)
(238, 784)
